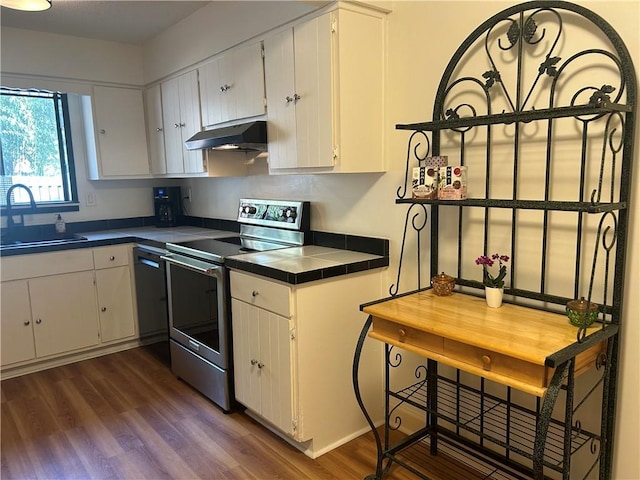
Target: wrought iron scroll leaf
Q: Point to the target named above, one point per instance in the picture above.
(526, 30)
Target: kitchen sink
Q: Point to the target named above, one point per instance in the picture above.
(23, 241)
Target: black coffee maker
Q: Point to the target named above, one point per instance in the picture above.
(167, 206)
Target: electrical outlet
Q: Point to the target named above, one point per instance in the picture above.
(91, 199)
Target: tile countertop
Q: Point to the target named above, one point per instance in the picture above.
(297, 265)
(292, 265)
(154, 235)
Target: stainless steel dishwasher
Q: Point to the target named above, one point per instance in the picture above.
(151, 294)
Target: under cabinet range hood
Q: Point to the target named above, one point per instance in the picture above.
(245, 136)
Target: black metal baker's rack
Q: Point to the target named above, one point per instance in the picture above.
(519, 84)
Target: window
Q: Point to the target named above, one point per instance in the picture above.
(36, 149)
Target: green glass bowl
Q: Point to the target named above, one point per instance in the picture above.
(582, 313)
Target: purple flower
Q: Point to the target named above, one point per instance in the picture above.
(487, 278)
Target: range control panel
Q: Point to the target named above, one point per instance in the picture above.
(287, 214)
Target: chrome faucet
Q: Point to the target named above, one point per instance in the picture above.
(10, 222)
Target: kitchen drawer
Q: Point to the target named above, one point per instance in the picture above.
(44, 264)
(262, 293)
(498, 364)
(401, 335)
(111, 256)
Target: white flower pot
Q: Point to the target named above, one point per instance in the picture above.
(493, 296)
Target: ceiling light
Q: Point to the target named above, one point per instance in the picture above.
(27, 5)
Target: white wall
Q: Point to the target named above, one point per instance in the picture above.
(422, 36)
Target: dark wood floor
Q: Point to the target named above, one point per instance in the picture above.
(126, 416)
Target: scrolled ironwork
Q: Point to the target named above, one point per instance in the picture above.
(601, 361)
(417, 225)
(416, 156)
(398, 358)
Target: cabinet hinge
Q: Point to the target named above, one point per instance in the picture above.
(294, 424)
(262, 50)
(336, 153)
(334, 26)
(292, 333)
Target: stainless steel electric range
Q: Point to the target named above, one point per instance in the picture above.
(198, 291)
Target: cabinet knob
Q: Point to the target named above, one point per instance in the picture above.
(159, 129)
(288, 99)
(112, 258)
(296, 97)
(176, 125)
(486, 362)
(27, 322)
(38, 321)
(103, 131)
(260, 364)
(254, 361)
(225, 87)
(103, 309)
(402, 333)
(255, 293)
(183, 125)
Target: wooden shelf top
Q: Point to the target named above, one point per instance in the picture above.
(519, 332)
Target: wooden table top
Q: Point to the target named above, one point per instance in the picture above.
(516, 331)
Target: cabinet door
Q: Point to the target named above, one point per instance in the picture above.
(115, 303)
(191, 122)
(172, 126)
(262, 363)
(64, 310)
(15, 322)
(314, 84)
(275, 370)
(155, 130)
(298, 73)
(246, 352)
(281, 109)
(121, 132)
(210, 94)
(248, 68)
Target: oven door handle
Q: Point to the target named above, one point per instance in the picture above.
(205, 268)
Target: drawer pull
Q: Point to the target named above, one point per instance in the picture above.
(486, 362)
(112, 258)
(402, 333)
(255, 293)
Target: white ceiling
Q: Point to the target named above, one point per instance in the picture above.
(115, 20)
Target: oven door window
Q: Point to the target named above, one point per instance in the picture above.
(197, 311)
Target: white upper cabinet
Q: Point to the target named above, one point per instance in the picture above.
(117, 140)
(155, 130)
(232, 85)
(325, 99)
(181, 120)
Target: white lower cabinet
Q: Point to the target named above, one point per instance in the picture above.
(15, 323)
(262, 362)
(63, 309)
(62, 304)
(293, 353)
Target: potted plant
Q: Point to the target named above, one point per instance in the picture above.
(494, 284)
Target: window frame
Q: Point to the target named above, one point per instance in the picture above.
(66, 159)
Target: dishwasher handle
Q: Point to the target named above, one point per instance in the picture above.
(150, 259)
